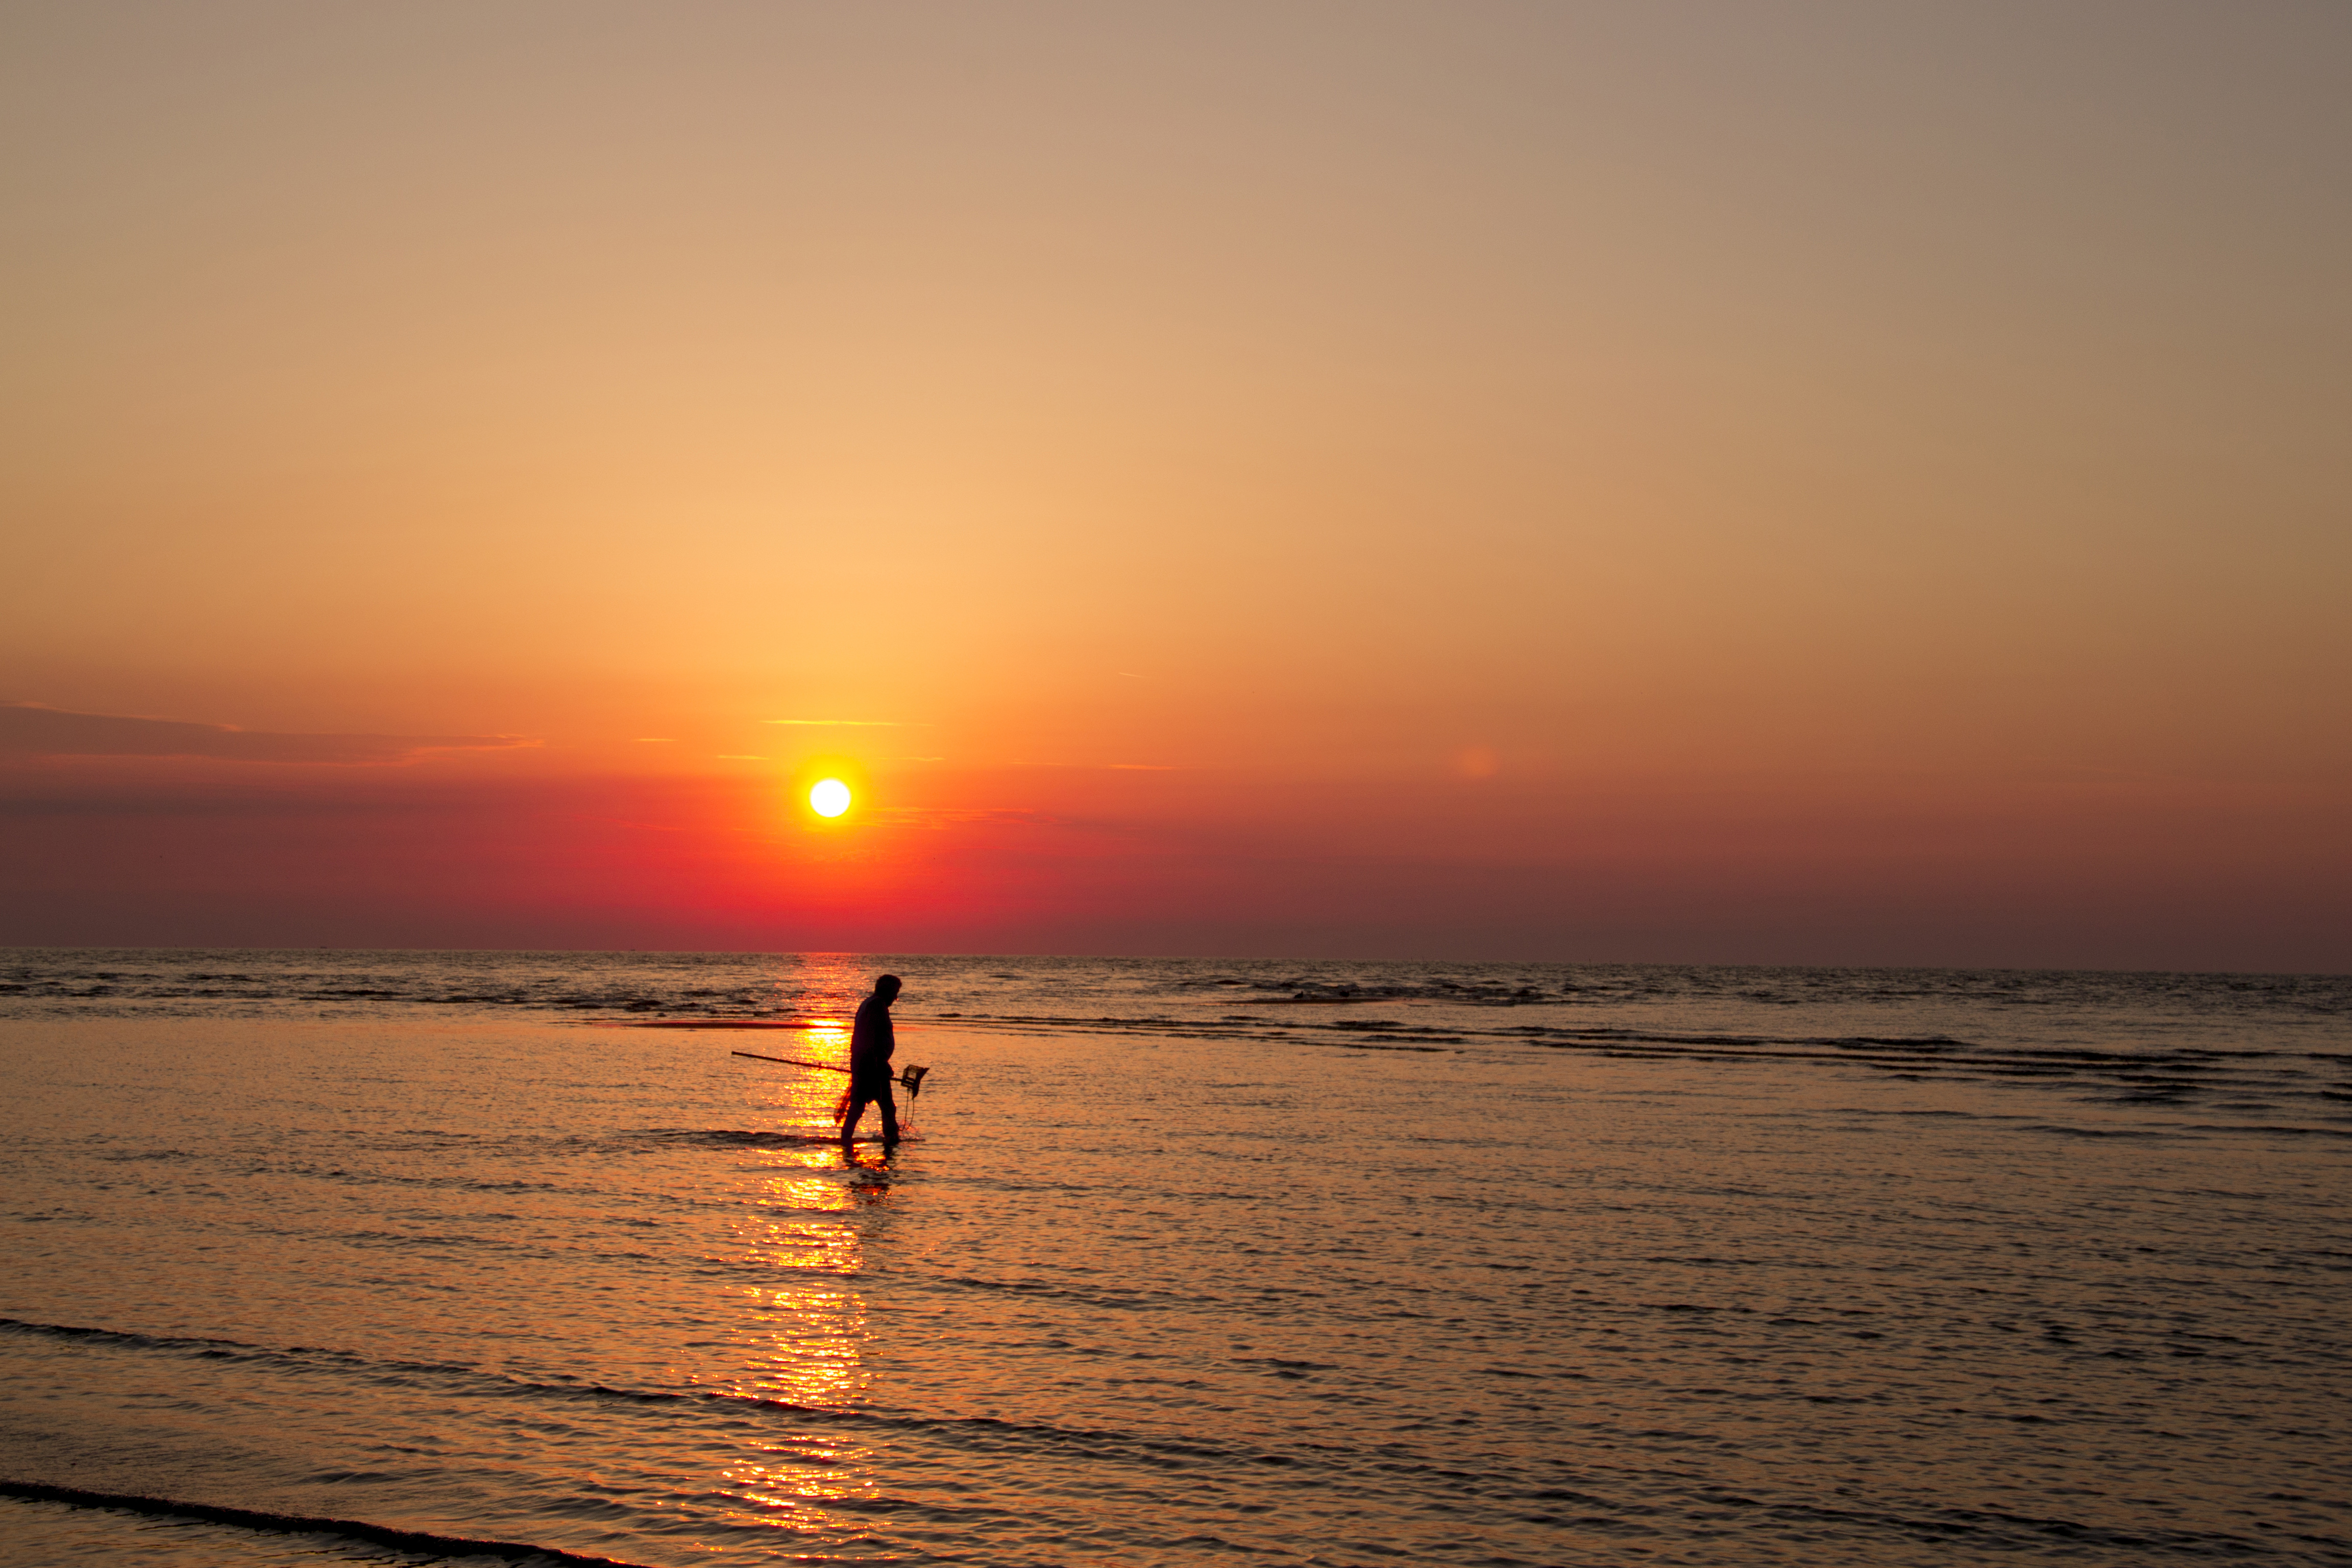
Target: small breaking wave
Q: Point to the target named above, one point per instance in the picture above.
(417, 1540)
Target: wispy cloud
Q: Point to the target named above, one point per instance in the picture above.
(934, 817)
(845, 723)
(654, 741)
(1141, 767)
(30, 729)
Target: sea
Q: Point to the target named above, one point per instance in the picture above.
(470, 1257)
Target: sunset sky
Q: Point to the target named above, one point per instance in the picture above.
(1730, 481)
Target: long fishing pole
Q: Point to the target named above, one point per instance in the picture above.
(910, 1078)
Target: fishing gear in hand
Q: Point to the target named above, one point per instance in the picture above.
(910, 1078)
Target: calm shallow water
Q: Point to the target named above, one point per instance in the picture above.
(1188, 1262)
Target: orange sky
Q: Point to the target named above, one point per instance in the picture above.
(1786, 482)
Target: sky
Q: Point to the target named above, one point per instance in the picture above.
(1704, 481)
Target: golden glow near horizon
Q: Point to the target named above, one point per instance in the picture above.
(829, 797)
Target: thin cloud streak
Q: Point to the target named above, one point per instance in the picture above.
(28, 729)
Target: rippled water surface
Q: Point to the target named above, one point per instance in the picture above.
(422, 1258)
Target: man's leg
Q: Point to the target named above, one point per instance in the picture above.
(889, 1105)
(849, 1121)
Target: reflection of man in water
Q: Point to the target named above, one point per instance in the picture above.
(871, 1044)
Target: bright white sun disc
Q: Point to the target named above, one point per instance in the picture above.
(829, 798)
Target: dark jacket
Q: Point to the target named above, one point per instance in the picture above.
(871, 1043)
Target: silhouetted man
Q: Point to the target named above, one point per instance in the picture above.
(871, 1044)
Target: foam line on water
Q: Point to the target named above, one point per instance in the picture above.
(982, 1430)
(299, 1525)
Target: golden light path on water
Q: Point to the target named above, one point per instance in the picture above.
(813, 1334)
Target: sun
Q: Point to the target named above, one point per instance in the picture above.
(829, 798)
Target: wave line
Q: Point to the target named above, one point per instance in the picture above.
(304, 1524)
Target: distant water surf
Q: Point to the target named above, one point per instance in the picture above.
(431, 1257)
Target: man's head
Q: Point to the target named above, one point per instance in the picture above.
(887, 987)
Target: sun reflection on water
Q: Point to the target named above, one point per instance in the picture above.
(788, 1477)
(801, 1333)
(810, 1348)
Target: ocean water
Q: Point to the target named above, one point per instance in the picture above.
(427, 1257)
